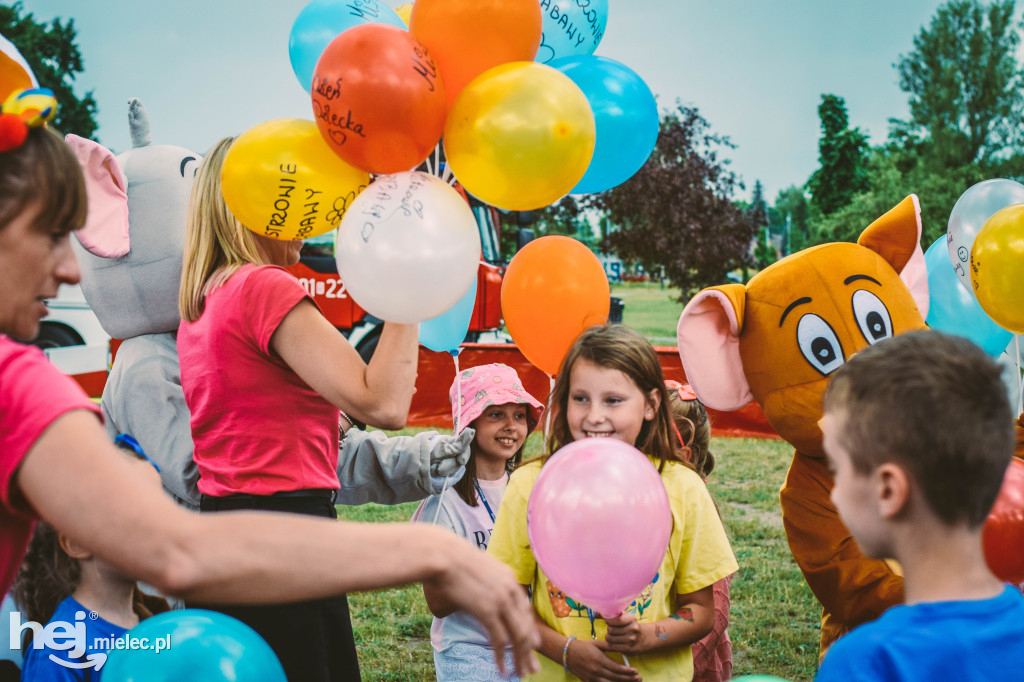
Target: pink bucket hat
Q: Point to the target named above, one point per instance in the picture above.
(487, 385)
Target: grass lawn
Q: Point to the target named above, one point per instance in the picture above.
(650, 309)
(774, 618)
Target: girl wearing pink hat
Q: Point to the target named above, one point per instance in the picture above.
(491, 400)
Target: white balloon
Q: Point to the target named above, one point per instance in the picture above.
(979, 203)
(408, 247)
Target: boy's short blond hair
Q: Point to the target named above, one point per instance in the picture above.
(935, 405)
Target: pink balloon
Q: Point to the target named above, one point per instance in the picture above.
(599, 521)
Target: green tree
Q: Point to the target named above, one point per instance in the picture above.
(676, 212)
(566, 217)
(51, 52)
(794, 215)
(964, 84)
(842, 152)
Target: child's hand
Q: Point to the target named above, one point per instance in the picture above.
(588, 662)
(625, 634)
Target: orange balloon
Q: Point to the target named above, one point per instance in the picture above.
(554, 288)
(378, 99)
(467, 37)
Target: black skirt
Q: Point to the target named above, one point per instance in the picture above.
(313, 639)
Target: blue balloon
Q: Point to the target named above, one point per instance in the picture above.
(953, 309)
(321, 21)
(570, 27)
(199, 645)
(625, 116)
(447, 331)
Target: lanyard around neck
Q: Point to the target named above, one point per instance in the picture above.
(483, 498)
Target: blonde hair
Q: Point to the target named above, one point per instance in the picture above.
(216, 242)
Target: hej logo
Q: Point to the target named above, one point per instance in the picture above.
(58, 636)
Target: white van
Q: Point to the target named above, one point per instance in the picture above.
(71, 322)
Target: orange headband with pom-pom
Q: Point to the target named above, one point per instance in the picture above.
(22, 110)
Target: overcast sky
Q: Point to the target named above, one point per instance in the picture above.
(755, 69)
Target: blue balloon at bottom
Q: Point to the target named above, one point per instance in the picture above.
(447, 331)
(196, 645)
(953, 309)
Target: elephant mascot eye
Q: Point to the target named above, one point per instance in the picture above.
(872, 316)
(819, 344)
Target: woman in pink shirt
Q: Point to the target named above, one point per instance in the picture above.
(266, 378)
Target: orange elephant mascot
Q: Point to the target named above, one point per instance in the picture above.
(777, 340)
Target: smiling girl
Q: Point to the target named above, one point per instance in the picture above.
(490, 399)
(611, 385)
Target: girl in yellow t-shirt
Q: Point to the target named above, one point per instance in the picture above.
(611, 386)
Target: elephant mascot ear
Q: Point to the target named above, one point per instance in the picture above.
(132, 245)
(708, 336)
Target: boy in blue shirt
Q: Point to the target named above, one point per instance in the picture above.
(918, 433)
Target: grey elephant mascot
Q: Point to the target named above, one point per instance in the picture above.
(131, 251)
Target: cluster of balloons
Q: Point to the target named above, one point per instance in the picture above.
(596, 502)
(979, 298)
(527, 113)
(204, 646)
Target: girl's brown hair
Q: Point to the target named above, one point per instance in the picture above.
(43, 171)
(694, 426)
(46, 577)
(617, 347)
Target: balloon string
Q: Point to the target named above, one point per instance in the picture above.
(440, 499)
(458, 395)
(457, 414)
(547, 409)
(1020, 388)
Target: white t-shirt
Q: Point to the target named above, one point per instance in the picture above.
(474, 524)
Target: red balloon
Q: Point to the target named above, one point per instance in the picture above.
(1003, 534)
(378, 99)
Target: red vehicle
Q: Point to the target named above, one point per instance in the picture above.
(318, 273)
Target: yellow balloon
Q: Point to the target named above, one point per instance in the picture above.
(520, 136)
(997, 267)
(404, 12)
(282, 180)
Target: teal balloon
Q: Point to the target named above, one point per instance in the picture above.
(953, 309)
(199, 645)
(321, 21)
(625, 118)
(446, 332)
(571, 27)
